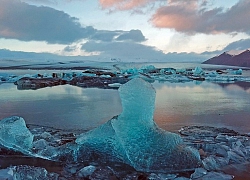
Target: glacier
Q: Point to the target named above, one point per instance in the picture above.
(133, 137)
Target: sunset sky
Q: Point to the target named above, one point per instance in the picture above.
(126, 29)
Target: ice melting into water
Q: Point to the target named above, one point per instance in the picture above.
(15, 135)
(135, 139)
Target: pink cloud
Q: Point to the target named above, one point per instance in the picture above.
(193, 17)
(180, 18)
(124, 4)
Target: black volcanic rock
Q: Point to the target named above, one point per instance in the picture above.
(242, 59)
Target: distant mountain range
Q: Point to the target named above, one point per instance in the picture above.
(242, 59)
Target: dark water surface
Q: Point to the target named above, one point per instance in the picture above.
(177, 105)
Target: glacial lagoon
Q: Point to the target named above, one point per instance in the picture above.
(177, 105)
(62, 109)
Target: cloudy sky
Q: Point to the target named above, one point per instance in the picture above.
(126, 29)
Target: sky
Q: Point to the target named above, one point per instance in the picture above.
(125, 30)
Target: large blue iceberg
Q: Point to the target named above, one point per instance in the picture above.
(135, 139)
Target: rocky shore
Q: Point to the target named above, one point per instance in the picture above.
(225, 155)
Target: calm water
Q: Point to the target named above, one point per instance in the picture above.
(218, 105)
(63, 107)
(177, 105)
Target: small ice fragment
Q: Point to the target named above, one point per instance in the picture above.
(86, 171)
(214, 163)
(235, 157)
(15, 135)
(198, 173)
(40, 144)
(114, 85)
(105, 76)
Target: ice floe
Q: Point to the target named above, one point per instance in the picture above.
(119, 75)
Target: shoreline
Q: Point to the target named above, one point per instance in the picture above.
(210, 141)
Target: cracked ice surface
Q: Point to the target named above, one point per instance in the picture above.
(134, 138)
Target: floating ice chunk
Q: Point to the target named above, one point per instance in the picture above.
(115, 85)
(15, 135)
(4, 77)
(212, 74)
(168, 71)
(238, 72)
(147, 68)
(135, 139)
(130, 71)
(181, 70)
(235, 72)
(198, 71)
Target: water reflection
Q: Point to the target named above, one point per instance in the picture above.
(237, 86)
(204, 104)
(64, 107)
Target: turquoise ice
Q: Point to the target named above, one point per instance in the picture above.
(133, 137)
(15, 135)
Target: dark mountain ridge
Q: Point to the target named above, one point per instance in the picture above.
(242, 59)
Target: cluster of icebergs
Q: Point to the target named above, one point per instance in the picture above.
(149, 73)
